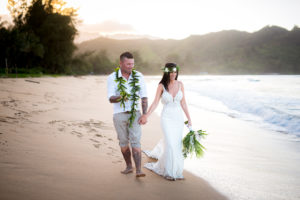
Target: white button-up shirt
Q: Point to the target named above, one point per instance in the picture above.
(112, 90)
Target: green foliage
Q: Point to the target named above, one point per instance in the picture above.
(91, 63)
(101, 64)
(41, 36)
(133, 96)
(121, 88)
(80, 65)
(191, 143)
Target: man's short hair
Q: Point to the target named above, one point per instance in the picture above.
(126, 55)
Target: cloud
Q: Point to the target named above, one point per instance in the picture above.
(106, 27)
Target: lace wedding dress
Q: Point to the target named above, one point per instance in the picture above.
(168, 151)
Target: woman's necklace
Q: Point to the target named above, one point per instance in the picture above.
(135, 88)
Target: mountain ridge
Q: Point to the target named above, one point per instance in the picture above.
(271, 49)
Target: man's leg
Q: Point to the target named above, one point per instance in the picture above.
(135, 137)
(137, 157)
(121, 122)
(127, 157)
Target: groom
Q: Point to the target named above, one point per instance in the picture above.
(127, 131)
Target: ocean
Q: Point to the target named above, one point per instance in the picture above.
(253, 126)
(272, 101)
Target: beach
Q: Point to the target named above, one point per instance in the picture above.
(57, 141)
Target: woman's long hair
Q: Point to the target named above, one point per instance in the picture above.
(166, 77)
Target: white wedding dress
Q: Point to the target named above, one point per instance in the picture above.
(168, 151)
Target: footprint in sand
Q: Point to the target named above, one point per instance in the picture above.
(113, 149)
(21, 114)
(61, 129)
(4, 143)
(97, 145)
(98, 135)
(116, 162)
(54, 121)
(97, 124)
(95, 140)
(10, 103)
(9, 120)
(3, 120)
(77, 133)
(92, 130)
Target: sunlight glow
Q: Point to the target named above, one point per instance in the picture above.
(178, 19)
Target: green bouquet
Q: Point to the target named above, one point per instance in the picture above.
(191, 142)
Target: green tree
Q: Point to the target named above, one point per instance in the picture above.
(42, 35)
(101, 63)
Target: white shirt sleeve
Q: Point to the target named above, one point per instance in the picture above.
(143, 91)
(110, 86)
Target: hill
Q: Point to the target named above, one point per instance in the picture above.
(270, 50)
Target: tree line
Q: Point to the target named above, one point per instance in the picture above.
(41, 41)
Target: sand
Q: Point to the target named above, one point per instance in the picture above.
(57, 141)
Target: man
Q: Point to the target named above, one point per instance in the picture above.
(127, 131)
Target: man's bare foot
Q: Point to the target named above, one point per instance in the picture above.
(127, 171)
(140, 174)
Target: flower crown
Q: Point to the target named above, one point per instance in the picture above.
(173, 69)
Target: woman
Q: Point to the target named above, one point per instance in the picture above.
(169, 150)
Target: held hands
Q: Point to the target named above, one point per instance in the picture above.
(142, 120)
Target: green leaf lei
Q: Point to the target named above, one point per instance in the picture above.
(192, 144)
(134, 97)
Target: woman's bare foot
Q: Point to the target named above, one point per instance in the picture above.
(127, 170)
(169, 178)
(140, 174)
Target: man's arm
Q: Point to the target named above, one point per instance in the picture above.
(144, 105)
(115, 99)
(143, 119)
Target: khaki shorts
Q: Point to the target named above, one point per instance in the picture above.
(125, 133)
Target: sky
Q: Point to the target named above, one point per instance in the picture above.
(178, 19)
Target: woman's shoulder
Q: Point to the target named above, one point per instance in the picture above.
(160, 85)
(180, 83)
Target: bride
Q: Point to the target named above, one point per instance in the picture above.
(168, 151)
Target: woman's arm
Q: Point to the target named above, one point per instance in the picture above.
(143, 118)
(156, 100)
(184, 105)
